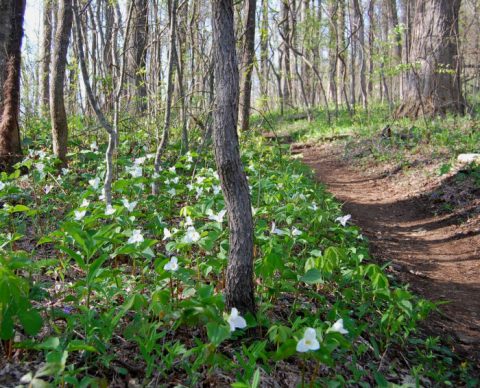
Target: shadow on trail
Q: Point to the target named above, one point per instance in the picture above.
(438, 255)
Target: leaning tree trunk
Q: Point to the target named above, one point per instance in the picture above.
(11, 34)
(433, 83)
(59, 62)
(239, 291)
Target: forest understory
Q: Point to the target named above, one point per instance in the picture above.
(254, 193)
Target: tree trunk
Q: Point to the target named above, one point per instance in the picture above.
(263, 76)
(333, 51)
(11, 34)
(433, 83)
(172, 60)
(239, 290)
(247, 64)
(287, 78)
(59, 62)
(45, 58)
(136, 55)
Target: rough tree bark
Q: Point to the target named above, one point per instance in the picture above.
(11, 34)
(239, 291)
(247, 64)
(45, 57)
(137, 54)
(58, 114)
(433, 83)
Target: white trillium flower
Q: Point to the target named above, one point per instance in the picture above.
(130, 206)
(189, 186)
(191, 236)
(41, 154)
(48, 188)
(314, 207)
(136, 237)
(338, 327)
(216, 217)
(199, 191)
(172, 169)
(296, 232)
(79, 214)
(216, 189)
(200, 179)
(40, 167)
(235, 320)
(150, 156)
(188, 221)
(215, 175)
(275, 230)
(172, 265)
(135, 171)
(140, 161)
(2, 185)
(172, 192)
(65, 171)
(94, 183)
(166, 234)
(85, 203)
(309, 341)
(176, 180)
(109, 210)
(343, 220)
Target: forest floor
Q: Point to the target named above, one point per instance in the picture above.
(425, 224)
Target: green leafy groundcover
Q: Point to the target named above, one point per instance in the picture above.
(136, 289)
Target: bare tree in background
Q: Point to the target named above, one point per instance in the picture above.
(239, 291)
(137, 54)
(247, 64)
(59, 62)
(45, 59)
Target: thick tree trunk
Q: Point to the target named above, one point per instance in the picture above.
(45, 58)
(11, 34)
(247, 64)
(59, 62)
(239, 290)
(433, 84)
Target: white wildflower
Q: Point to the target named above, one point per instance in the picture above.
(235, 320)
(309, 341)
(343, 220)
(172, 265)
(136, 237)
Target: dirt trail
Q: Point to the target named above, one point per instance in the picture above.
(439, 256)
